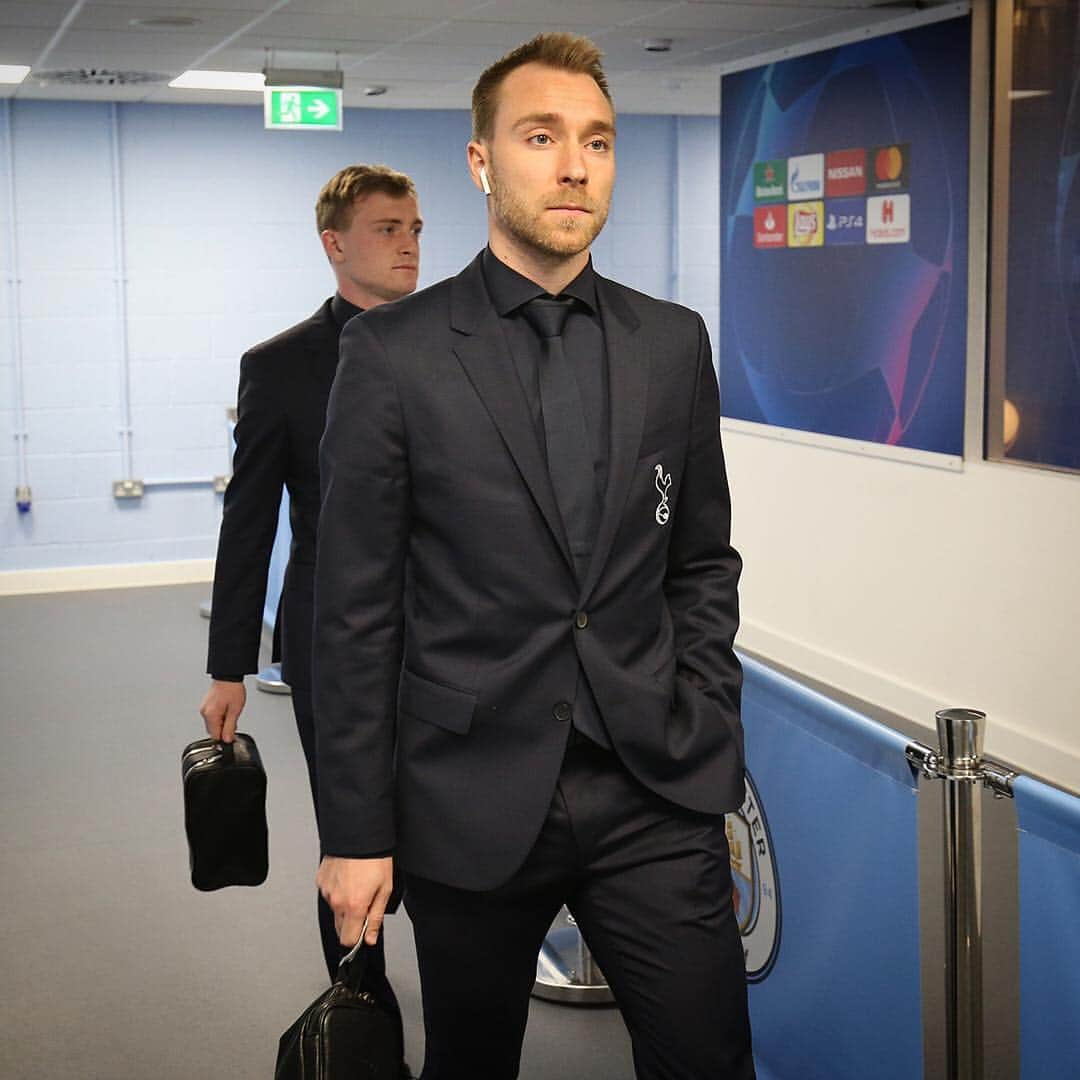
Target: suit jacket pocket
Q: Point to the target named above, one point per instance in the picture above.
(444, 706)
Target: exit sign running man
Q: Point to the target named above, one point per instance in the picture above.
(300, 108)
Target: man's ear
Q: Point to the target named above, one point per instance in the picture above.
(478, 165)
(330, 245)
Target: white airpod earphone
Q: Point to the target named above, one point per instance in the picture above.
(485, 184)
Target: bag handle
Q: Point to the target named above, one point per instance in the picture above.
(351, 967)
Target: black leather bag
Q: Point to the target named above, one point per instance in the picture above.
(225, 812)
(344, 1034)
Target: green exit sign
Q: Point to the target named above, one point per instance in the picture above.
(302, 108)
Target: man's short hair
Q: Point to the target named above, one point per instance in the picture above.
(337, 200)
(565, 52)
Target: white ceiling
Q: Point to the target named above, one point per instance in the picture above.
(428, 53)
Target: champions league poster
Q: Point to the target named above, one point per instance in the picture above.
(844, 240)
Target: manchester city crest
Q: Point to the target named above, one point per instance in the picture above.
(756, 885)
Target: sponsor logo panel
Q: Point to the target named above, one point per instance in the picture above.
(806, 221)
(806, 176)
(845, 173)
(845, 221)
(888, 219)
(770, 226)
(890, 168)
(770, 180)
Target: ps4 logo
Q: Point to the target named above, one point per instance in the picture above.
(844, 221)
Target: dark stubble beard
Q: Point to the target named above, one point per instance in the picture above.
(559, 237)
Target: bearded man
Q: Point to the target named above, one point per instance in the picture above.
(525, 689)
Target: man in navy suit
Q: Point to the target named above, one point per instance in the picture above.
(369, 226)
(526, 693)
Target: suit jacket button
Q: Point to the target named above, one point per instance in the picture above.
(581, 620)
(563, 711)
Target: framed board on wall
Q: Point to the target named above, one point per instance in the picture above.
(844, 204)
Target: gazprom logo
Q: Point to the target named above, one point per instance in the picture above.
(806, 176)
(756, 887)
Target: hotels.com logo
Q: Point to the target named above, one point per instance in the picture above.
(888, 219)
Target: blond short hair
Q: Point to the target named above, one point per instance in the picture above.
(565, 52)
(337, 200)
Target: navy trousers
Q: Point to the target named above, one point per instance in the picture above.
(649, 885)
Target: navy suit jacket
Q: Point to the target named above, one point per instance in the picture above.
(281, 411)
(446, 603)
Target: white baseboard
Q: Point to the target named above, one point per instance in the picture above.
(1005, 741)
(112, 576)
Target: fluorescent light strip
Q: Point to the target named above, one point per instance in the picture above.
(13, 73)
(249, 81)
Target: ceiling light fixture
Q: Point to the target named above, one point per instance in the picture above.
(658, 44)
(13, 73)
(245, 81)
(331, 78)
(374, 91)
(166, 22)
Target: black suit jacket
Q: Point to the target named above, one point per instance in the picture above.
(446, 600)
(281, 411)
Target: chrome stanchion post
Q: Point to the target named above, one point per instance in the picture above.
(959, 764)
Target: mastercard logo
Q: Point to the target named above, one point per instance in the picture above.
(889, 163)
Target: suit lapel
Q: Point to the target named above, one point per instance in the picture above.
(484, 353)
(628, 381)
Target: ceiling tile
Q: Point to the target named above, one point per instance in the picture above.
(22, 46)
(31, 15)
(570, 14)
(287, 23)
(401, 9)
(248, 9)
(115, 44)
(427, 54)
(624, 48)
(505, 35)
(213, 25)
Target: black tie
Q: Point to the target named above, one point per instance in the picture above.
(570, 460)
(570, 463)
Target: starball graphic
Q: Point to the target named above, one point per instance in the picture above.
(854, 326)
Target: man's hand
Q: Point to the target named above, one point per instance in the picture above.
(356, 889)
(221, 709)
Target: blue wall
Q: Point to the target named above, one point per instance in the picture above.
(221, 252)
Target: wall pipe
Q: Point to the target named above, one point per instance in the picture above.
(675, 245)
(22, 478)
(121, 282)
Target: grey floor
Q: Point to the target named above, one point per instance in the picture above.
(112, 967)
